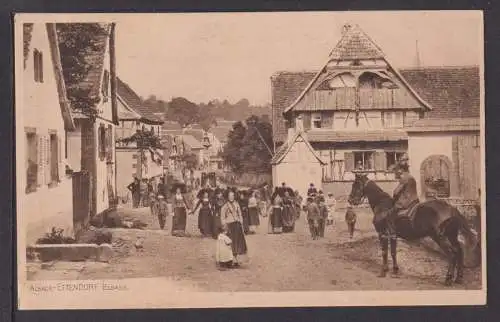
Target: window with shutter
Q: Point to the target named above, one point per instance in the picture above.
(109, 144)
(349, 161)
(46, 160)
(31, 161)
(102, 142)
(41, 160)
(54, 159)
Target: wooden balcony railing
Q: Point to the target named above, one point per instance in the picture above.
(346, 98)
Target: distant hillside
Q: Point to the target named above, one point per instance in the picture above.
(186, 112)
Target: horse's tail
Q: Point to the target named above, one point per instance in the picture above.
(465, 229)
(471, 241)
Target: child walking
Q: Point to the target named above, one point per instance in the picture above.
(350, 219)
(224, 252)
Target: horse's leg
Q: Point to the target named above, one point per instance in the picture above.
(459, 255)
(384, 243)
(394, 245)
(446, 246)
(394, 248)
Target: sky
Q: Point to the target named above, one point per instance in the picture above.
(203, 56)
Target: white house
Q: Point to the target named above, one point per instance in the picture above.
(131, 159)
(91, 148)
(44, 191)
(297, 164)
(451, 166)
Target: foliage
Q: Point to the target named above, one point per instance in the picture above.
(191, 160)
(55, 236)
(144, 139)
(246, 149)
(78, 42)
(186, 112)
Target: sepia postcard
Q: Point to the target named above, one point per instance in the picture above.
(263, 159)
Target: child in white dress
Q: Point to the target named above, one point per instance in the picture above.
(224, 252)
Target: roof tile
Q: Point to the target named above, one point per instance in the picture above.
(134, 101)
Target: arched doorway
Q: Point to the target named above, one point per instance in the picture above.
(435, 177)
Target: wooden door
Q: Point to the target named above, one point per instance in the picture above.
(435, 171)
(82, 200)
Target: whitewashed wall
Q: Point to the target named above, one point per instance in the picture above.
(46, 207)
(419, 149)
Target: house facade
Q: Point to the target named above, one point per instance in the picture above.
(91, 146)
(297, 155)
(44, 190)
(356, 109)
(450, 167)
(132, 159)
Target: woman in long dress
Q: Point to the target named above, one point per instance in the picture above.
(253, 213)
(205, 215)
(276, 215)
(217, 203)
(243, 202)
(231, 218)
(288, 213)
(180, 210)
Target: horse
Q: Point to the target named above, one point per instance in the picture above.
(432, 218)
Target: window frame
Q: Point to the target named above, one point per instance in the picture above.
(316, 117)
(364, 159)
(397, 156)
(30, 188)
(54, 176)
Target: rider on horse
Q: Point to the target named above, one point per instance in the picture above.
(405, 195)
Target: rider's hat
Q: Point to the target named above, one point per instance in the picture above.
(404, 157)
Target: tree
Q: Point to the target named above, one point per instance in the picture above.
(77, 42)
(248, 146)
(191, 160)
(183, 111)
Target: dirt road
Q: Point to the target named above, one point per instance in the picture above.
(286, 262)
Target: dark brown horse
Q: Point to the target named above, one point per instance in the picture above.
(434, 218)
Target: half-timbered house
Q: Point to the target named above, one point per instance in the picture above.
(356, 109)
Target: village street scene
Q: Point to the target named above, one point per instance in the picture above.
(344, 156)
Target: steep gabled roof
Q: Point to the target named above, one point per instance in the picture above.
(285, 148)
(93, 57)
(130, 97)
(451, 91)
(355, 44)
(191, 141)
(58, 74)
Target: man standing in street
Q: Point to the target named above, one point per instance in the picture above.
(134, 188)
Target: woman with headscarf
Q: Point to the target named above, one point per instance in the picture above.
(181, 208)
(205, 214)
(231, 218)
(253, 212)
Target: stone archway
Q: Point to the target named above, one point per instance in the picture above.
(436, 176)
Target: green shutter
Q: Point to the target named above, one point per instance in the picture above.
(349, 161)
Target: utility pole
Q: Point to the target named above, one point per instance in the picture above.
(418, 62)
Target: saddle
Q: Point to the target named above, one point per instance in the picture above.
(408, 213)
